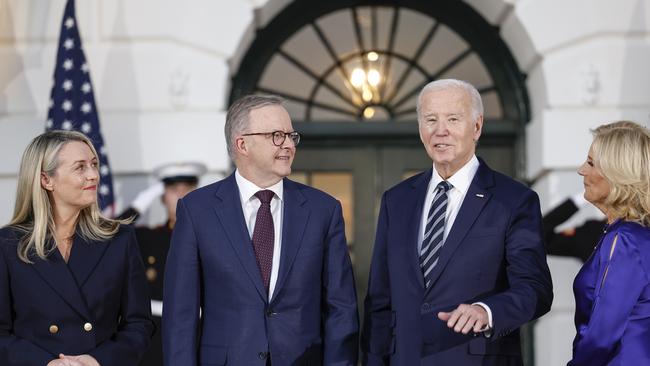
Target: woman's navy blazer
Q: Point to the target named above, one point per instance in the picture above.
(96, 304)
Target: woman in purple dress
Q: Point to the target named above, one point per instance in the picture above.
(612, 289)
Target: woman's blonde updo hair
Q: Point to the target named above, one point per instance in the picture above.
(621, 150)
(33, 213)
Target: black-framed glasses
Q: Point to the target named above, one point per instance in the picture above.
(279, 136)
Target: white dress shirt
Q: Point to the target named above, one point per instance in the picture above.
(250, 204)
(460, 183)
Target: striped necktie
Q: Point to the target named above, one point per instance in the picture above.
(434, 232)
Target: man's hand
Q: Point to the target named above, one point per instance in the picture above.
(145, 198)
(81, 360)
(466, 318)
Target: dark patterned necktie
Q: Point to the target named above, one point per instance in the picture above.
(434, 232)
(264, 236)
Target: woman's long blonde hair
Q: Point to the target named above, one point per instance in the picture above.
(33, 213)
(622, 153)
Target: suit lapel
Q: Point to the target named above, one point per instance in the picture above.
(475, 200)
(55, 272)
(415, 204)
(231, 216)
(294, 222)
(84, 258)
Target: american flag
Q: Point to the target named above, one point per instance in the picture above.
(72, 103)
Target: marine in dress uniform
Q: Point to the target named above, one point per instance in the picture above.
(575, 242)
(176, 180)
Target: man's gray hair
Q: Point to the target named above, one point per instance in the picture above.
(237, 118)
(442, 84)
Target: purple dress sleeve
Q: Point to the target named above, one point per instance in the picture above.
(613, 301)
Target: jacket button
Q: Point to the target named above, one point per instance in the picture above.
(425, 306)
(263, 355)
(88, 327)
(270, 312)
(54, 329)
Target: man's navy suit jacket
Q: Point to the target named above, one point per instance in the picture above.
(45, 306)
(494, 253)
(312, 317)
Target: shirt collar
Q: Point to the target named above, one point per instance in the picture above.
(247, 189)
(461, 179)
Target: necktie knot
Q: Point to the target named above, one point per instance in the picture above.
(265, 196)
(444, 186)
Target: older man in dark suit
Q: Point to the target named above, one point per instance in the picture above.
(459, 262)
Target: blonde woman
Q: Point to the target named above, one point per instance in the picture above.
(612, 289)
(72, 284)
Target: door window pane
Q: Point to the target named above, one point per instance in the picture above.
(300, 177)
(339, 185)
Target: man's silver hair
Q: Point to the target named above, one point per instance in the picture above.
(237, 118)
(442, 84)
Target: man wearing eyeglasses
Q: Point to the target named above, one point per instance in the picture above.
(258, 271)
